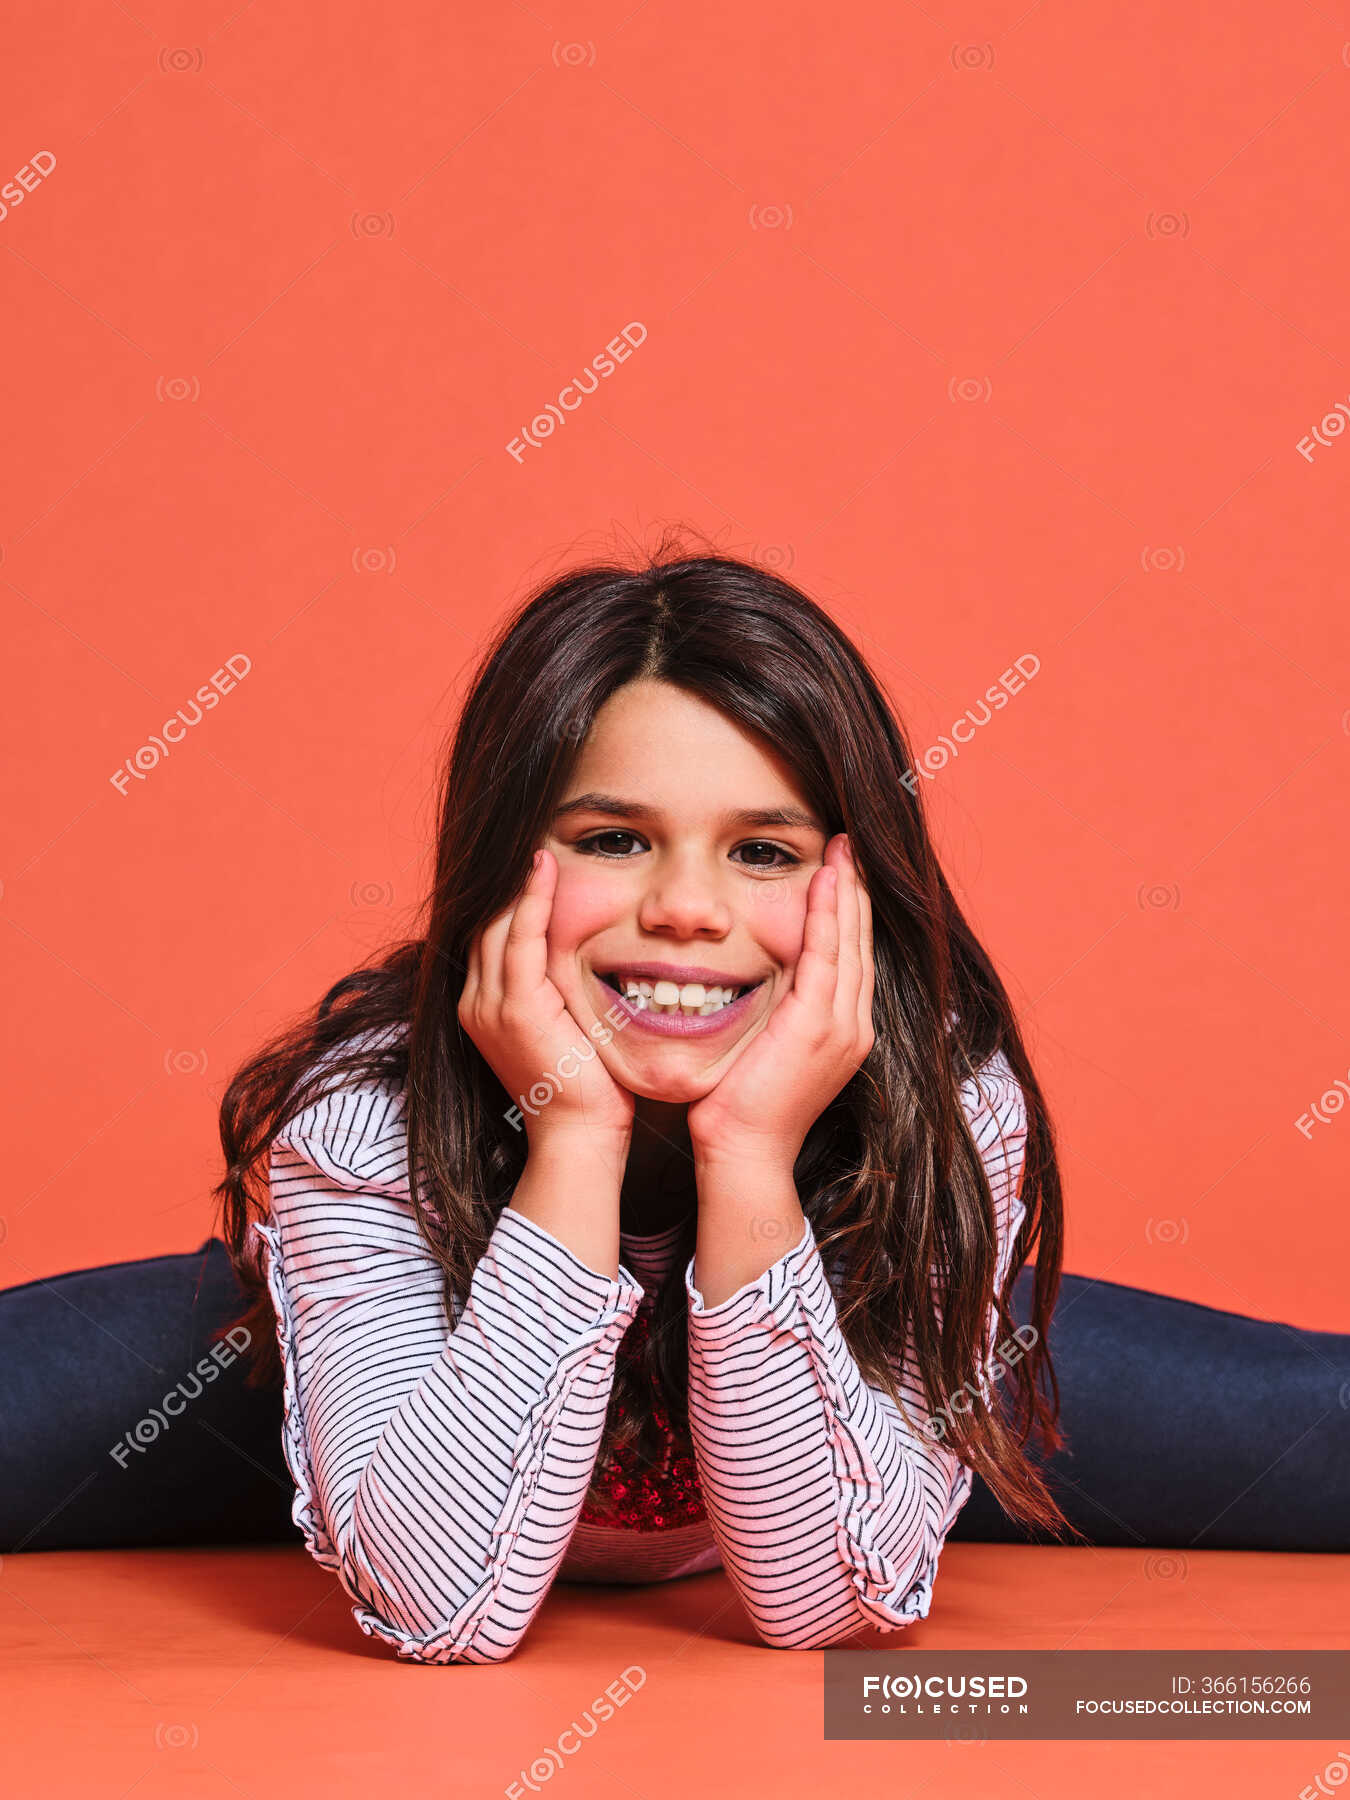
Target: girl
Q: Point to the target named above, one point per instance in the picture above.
(729, 1163)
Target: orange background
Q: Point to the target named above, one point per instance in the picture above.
(995, 326)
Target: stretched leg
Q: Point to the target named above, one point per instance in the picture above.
(113, 1435)
(1188, 1427)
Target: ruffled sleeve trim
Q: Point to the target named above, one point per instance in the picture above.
(304, 1507)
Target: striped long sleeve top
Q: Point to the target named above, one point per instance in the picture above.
(441, 1471)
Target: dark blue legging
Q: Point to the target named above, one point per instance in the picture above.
(1186, 1426)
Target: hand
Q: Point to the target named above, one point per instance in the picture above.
(515, 1015)
(815, 1039)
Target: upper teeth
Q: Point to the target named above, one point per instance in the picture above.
(670, 997)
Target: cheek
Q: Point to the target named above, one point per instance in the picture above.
(777, 922)
(584, 904)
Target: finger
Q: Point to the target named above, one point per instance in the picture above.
(492, 974)
(491, 942)
(473, 974)
(867, 987)
(525, 955)
(817, 966)
(850, 959)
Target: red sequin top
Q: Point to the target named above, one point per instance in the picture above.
(643, 1498)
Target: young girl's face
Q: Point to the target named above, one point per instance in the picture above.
(684, 851)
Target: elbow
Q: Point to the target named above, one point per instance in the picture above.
(902, 1597)
(434, 1640)
(427, 1629)
(433, 1647)
(866, 1592)
(894, 1608)
(862, 1618)
(833, 1619)
(836, 1632)
(816, 1637)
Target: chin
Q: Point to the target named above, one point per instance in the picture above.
(678, 1087)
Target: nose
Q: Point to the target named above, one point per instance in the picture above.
(684, 899)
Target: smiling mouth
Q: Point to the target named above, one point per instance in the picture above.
(688, 999)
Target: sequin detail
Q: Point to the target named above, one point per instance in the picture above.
(635, 1498)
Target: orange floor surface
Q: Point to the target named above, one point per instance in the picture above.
(238, 1673)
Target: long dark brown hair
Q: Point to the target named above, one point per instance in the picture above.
(889, 1175)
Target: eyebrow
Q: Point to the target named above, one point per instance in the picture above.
(753, 818)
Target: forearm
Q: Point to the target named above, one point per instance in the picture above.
(825, 1506)
(830, 1503)
(463, 1510)
(748, 1215)
(439, 1472)
(571, 1186)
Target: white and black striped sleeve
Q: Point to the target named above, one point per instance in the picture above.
(438, 1472)
(829, 1510)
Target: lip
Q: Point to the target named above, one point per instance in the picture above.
(682, 1024)
(679, 1025)
(681, 973)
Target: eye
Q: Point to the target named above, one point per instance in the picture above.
(591, 846)
(789, 858)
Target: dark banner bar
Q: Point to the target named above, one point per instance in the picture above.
(972, 1695)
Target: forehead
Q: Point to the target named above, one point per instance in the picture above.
(655, 743)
